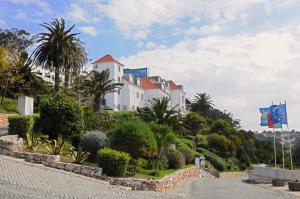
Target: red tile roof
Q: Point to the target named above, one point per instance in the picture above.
(107, 58)
(147, 84)
(172, 85)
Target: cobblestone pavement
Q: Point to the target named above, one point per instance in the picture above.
(213, 188)
(19, 179)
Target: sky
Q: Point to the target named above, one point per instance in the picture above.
(244, 53)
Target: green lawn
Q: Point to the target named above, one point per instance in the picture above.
(8, 106)
(151, 174)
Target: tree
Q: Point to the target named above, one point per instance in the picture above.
(97, 85)
(57, 47)
(159, 112)
(194, 122)
(202, 104)
(16, 39)
(164, 138)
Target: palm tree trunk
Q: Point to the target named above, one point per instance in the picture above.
(56, 79)
(67, 78)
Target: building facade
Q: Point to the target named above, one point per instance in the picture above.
(138, 87)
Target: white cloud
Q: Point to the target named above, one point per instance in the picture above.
(43, 5)
(89, 30)
(79, 14)
(241, 72)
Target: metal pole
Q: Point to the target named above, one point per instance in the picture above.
(290, 147)
(282, 146)
(275, 148)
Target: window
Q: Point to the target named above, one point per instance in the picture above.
(142, 96)
(96, 66)
(119, 107)
(119, 79)
(137, 95)
(119, 68)
(119, 91)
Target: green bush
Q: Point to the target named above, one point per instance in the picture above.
(134, 137)
(99, 121)
(222, 145)
(21, 124)
(188, 154)
(218, 162)
(75, 140)
(8, 106)
(60, 115)
(176, 159)
(93, 141)
(113, 163)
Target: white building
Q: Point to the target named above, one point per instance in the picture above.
(138, 87)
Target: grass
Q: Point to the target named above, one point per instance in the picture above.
(9, 106)
(152, 174)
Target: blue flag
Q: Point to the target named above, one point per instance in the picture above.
(283, 114)
(264, 116)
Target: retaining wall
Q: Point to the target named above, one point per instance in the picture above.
(167, 183)
(231, 174)
(266, 174)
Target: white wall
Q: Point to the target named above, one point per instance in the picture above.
(266, 174)
(116, 73)
(130, 99)
(178, 98)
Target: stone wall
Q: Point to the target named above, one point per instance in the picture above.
(231, 174)
(167, 183)
(3, 120)
(10, 143)
(266, 174)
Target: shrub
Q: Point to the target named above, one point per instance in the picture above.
(134, 137)
(187, 153)
(93, 141)
(222, 145)
(60, 115)
(175, 159)
(113, 163)
(99, 121)
(218, 162)
(21, 124)
(75, 140)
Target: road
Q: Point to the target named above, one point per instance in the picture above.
(19, 179)
(214, 188)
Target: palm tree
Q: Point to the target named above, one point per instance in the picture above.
(202, 104)
(56, 48)
(76, 60)
(97, 85)
(159, 112)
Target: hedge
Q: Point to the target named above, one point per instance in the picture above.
(113, 163)
(218, 162)
(21, 124)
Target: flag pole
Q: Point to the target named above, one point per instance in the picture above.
(290, 146)
(275, 148)
(282, 145)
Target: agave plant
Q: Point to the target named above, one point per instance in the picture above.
(57, 147)
(79, 156)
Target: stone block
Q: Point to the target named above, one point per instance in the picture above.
(70, 167)
(86, 171)
(60, 165)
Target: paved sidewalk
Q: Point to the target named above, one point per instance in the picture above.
(19, 179)
(214, 188)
